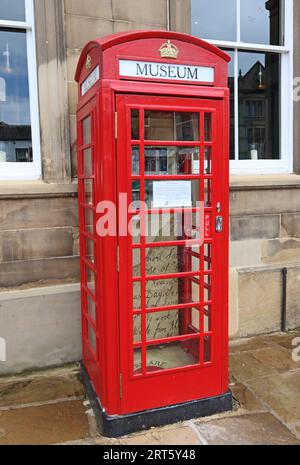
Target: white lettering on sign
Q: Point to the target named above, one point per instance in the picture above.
(175, 72)
(167, 194)
(90, 81)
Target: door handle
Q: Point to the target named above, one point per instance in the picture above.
(219, 224)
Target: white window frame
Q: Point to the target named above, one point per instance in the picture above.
(285, 164)
(27, 171)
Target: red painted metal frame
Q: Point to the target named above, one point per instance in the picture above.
(105, 367)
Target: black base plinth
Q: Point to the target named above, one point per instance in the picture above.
(120, 425)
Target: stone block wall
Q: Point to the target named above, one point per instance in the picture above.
(38, 241)
(265, 238)
(85, 21)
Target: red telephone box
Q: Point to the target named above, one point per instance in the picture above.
(153, 157)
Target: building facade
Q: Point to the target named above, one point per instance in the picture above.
(40, 43)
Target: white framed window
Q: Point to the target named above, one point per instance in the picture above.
(258, 35)
(20, 156)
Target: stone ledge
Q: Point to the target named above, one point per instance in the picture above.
(264, 182)
(30, 273)
(38, 189)
(39, 291)
(267, 268)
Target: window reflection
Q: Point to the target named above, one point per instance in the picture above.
(12, 10)
(174, 126)
(172, 160)
(232, 113)
(260, 21)
(258, 106)
(15, 124)
(135, 127)
(214, 19)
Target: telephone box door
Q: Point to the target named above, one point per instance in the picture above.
(173, 258)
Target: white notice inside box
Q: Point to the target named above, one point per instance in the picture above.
(172, 194)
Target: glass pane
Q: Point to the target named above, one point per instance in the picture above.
(89, 249)
(136, 296)
(171, 160)
(207, 349)
(259, 106)
(231, 85)
(214, 19)
(86, 130)
(162, 325)
(190, 199)
(167, 125)
(91, 308)
(207, 127)
(88, 192)
(195, 319)
(169, 227)
(207, 160)
(89, 219)
(137, 361)
(12, 10)
(207, 288)
(207, 257)
(137, 328)
(136, 193)
(92, 338)
(172, 355)
(261, 22)
(167, 260)
(135, 126)
(90, 278)
(207, 193)
(207, 318)
(15, 122)
(136, 262)
(135, 160)
(87, 162)
(164, 292)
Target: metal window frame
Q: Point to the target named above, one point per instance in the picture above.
(27, 171)
(285, 164)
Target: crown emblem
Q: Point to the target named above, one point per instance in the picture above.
(88, 63)
(169, 50)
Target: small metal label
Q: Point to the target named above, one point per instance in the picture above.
(219, 224)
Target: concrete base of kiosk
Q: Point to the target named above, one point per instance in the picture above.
(120, 425)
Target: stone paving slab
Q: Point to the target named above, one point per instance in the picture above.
(281, 339)
(179, 435)
(276, 357)
(246, 345)
(263, 378)
(254, 429)
(281, 393)
(262, 342)
(244, 366)
(37, 390)
(47, 424)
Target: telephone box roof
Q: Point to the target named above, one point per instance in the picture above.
(109, 41)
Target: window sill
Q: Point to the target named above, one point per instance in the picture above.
(36, 189)
(264, 181)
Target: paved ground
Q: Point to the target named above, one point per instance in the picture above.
(48, 407)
